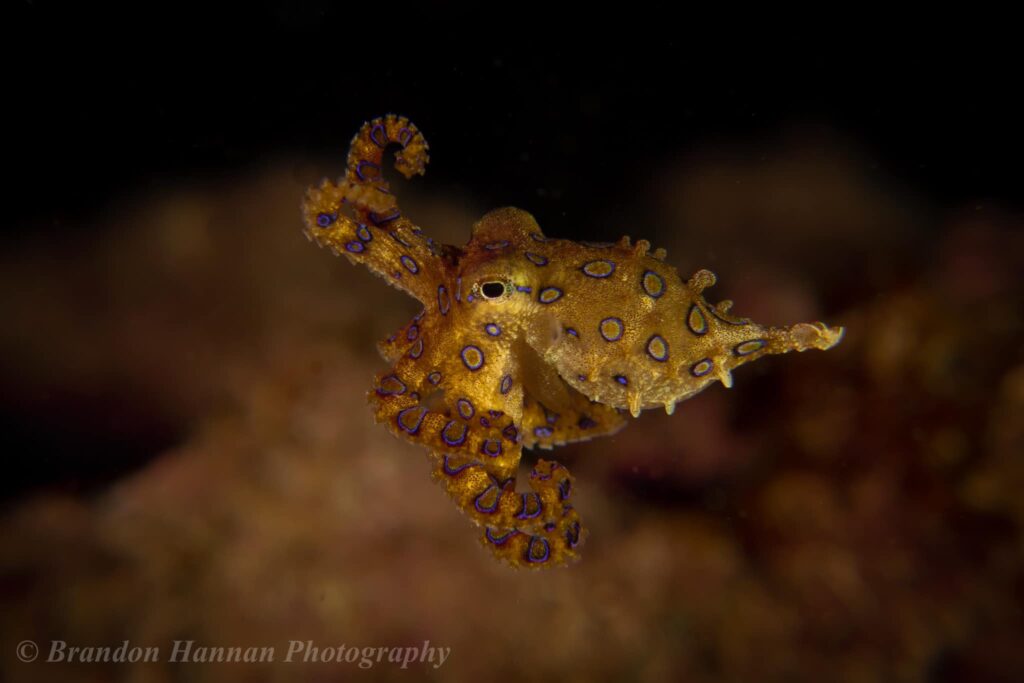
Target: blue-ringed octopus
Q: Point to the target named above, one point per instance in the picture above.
(525, 341)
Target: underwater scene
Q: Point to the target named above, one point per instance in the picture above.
(507, 364)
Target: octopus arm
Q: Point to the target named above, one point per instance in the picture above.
(464, 402)
(425, 399)
(359, 217)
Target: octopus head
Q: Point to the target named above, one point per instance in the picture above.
(497, 281)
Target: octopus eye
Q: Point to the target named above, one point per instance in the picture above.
(493, 290)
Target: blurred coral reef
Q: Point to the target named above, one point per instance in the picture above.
(846, 516)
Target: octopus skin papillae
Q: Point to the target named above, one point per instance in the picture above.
(525, 341)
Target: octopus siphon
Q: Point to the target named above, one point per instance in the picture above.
(525, 341)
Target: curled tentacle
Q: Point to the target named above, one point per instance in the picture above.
(366, 152)
(393, 250)
(375, 204)
(376, 233)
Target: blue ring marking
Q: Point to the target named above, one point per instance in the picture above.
(488, 447)
(492, 329)
(564, 489)
(511, 433)
(363, 233)
(549, 295)
(696, 369)
(379, 130)
(621, 329)
(582, 378)
(664, 344)
(465, 408)
(572, 535)
(434, 378)
(458, 289)
(487, 510)
(355, 247)
(524, 288)
(461, 439)
(621, 379)
(653, 292)
(543, 432)
(536, 259)
(325, 219)
(419, 420)
(465, 361)
(444, 302)
(495, 413)
(506, 384)
(586, 268)
(700, 327)
(410, 264)
(499, 540)
(745, 348)
(524, 512)
(537, 237)
(385, 391)
(531, 557)
(586, 422)
(495, 246)
(369, 164)
(572, 331)
(453, 471)
(484, 422)
(417, 349)
(412, 333)
(405, 136)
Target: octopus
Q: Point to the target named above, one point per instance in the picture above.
(525, 341)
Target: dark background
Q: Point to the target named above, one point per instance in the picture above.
(101, 104)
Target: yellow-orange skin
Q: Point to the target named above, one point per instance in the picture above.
(525, 341)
